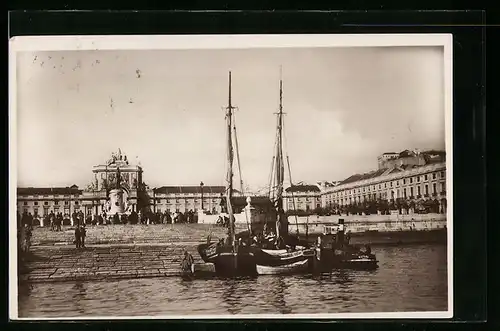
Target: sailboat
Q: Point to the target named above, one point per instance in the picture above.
(228, 257)
(284, 256)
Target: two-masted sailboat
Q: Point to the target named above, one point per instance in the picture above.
(280, 253)
(285, 254)
(228, 256)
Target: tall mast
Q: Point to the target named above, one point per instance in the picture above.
(229, 185)
(281, 226)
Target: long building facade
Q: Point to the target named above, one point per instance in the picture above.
(397, 179)
(406, 178)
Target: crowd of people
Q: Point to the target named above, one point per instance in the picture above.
(57, 220)
(401, 206)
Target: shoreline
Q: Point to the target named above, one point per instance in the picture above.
(150, 258)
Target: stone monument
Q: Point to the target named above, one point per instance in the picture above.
(253, 217)
(118, 198)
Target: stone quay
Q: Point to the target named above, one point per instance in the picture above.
(113, 252)
(139, 251)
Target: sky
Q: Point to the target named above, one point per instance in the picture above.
(164, 109)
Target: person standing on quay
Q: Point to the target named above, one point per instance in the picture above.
(187, 262)
(59, 222)
(77, 236)
(83, 234)
(74, 218)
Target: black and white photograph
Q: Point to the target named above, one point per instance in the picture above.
(230, 176)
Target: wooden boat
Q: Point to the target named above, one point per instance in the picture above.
(353, 258)
(285, 256)
(285, 269)
(228, 257)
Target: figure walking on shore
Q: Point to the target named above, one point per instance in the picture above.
(187, 262)
(83, 234)
(77, 236)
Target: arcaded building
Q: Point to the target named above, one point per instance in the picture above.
(40, 201)
(410, 176)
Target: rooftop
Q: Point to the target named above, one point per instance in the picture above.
(48, 190)
(376, 173)
(191, 189)
(303, 188)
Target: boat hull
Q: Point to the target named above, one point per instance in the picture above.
(287, 269)
(327, 260)
(357, 264)
(277, 258)
(227, 262)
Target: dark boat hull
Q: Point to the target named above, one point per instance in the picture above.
(227, 262)
(328, 260)
(357, 264)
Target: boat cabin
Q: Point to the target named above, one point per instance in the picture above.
(329, 229)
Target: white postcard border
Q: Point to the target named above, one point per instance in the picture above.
(176, 42)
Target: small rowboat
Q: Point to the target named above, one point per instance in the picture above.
(293, 268)
(360, 263)
(275, 252)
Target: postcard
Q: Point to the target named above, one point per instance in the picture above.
(231, 176)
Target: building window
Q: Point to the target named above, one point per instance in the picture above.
(76, 202)
(158, 200)
(391, 184)
(443, 174)
(397, 183)
(404, 193)
(434, 188)
(379, 186)
(35, 211)
(36, 203)
(411, 192)
(433, 175)
(425, 177)
(25, 203)
(404, 181)
(66, 203)
(426, 189)
(418, 190)
(411, 180)
(46, 203)
(418, 179)
(385, 185)
(56, 202)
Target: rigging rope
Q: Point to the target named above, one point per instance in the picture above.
(226, 163)
(239, 168)
(238, 155)
(290, 177)
(271, 177)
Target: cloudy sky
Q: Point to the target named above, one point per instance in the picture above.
(163, 108)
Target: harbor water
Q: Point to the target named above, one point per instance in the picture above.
(410, 278)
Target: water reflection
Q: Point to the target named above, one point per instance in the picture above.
(277, 288)
(79, 291)
(236, 293)
(402, 283)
